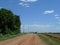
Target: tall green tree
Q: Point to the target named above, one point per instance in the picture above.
(9, 22)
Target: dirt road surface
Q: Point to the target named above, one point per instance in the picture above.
(29, 39)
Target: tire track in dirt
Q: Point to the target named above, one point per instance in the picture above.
(30, 41)
(24, 40)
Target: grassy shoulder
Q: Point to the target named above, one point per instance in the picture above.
(9, 36)
(49, 40)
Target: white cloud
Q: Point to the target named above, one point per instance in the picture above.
(57, 16)
(48, 11)
(26, 3)
(21, 4)
(36, 27)
(28, 0)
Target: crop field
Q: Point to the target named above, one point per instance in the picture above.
(51, 39)
(55, 35)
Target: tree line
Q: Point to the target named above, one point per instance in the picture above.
(9, 22)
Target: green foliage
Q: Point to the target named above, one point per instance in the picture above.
(9, 22)
(9, 36)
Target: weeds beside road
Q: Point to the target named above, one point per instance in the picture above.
(8, 36)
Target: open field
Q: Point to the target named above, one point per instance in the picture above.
(50, 39)
(54, 35)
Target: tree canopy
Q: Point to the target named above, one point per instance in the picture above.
(9, 22)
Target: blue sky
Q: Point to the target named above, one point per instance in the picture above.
(36, 15)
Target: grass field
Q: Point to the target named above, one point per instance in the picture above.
(49, 40)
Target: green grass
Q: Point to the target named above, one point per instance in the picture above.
(49, 40)
(9, 36)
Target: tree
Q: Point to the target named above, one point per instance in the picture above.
(9, 22)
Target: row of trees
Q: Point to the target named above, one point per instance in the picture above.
(9, 22)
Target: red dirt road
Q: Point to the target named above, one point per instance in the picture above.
(29, 39)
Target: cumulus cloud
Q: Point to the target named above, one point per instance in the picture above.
(48, 11)
(36, 27)
(26, 3)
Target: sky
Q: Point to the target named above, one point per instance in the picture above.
(35, 15)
